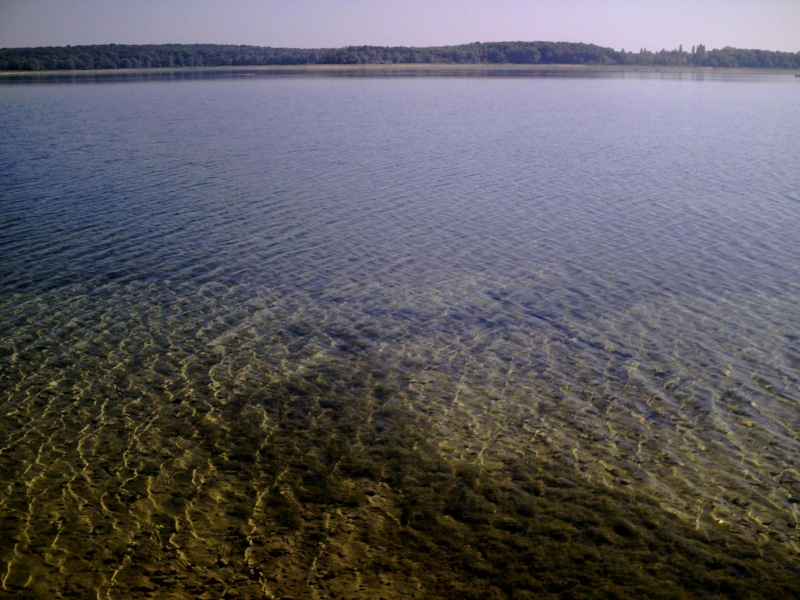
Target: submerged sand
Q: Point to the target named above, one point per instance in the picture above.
(256, 458)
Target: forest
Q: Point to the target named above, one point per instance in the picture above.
(119, 56)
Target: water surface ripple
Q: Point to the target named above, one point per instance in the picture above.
(418, 337)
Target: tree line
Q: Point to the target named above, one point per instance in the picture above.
(119, 56)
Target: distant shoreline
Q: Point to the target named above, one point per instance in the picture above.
(167, 56)
(405, 67)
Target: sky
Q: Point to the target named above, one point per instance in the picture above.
(619, 24)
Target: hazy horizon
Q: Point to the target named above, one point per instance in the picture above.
(619, 24)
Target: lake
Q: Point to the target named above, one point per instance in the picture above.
(513, 335)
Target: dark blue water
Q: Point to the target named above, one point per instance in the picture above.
(215, 294)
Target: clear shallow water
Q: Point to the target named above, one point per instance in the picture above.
(392, 336)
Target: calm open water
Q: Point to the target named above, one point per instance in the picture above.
(371, 337)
